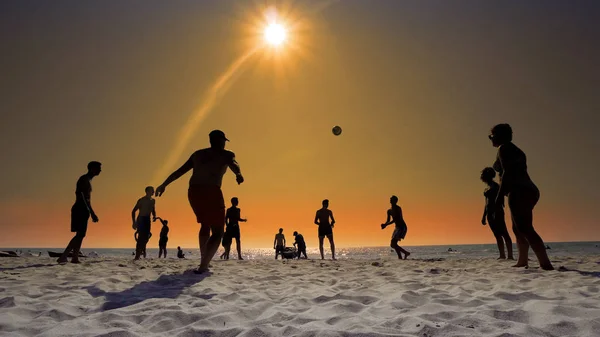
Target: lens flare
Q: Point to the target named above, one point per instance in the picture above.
(275, 34)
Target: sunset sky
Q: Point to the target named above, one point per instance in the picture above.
(415, 85)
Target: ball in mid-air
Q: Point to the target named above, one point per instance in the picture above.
(337, 130)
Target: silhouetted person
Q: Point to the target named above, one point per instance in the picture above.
(494, 213)
(136, 236)
(325, 227)
(146, 207)
(279, 243)
(523, 195)
(226, 242)
(394, 216)
(232, 220)
(164, 238)
(81, 212)
(300, 245)
(180, 253)
(204, 194)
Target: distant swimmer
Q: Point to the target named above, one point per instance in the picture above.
(204, 194)
(523, 195)
(279, 243)
(394, 216)
(300, 245)
(81, 212)
(494, 213)
(164, 238)
(232, 222)
(322, 219)
(145, 206)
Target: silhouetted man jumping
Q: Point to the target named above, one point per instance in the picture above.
(81, 212)
(395, 215)
(204, 194)
(325, 227)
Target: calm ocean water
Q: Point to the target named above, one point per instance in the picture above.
(418, 252)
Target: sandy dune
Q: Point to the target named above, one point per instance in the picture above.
(117, 297)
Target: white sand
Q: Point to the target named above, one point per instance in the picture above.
(117, 297)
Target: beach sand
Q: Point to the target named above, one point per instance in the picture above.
(378, 297)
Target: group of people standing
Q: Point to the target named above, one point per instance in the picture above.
(206, 200)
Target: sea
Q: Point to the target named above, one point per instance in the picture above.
(472, 251)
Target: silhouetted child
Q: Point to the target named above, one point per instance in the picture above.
(136, 236)
(146, 207)
(226, 242)
(279, 243)
(164, 238)
(394, 215)
(494, 213)
(300, 245)
(180, 253)
(232, 220)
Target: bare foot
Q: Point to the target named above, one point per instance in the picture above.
(333, 258)
(519, 265)
(406, 255)
(62, 260)
(547, 267)
(75, 261)
(501, 258)
(240, 258)
(510, 258)
(201, 271)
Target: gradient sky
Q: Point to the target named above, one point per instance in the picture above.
(415, 85)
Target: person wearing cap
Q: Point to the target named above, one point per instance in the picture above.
(204, 194)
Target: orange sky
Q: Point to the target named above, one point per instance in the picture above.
(415, 87)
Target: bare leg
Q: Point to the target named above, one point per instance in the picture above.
(394, 245)
(70, 246)
(211, 246)
(522, 248)
(508, 242)
(77, 247)
(203, 242)
(332, 245)
(500, 244)
(239, 248)
(321, 247)
(406, 253)
(534, 240)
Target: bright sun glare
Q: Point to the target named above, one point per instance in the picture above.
(275, 34)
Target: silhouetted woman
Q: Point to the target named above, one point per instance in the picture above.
(523, 195)
(495, 213)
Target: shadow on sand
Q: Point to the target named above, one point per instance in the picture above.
(166, 286)
(582, 272)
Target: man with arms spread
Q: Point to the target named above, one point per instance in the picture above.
(325, 227)
(81, 211)
(204, 194)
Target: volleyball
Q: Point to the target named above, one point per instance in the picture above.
(337, 130)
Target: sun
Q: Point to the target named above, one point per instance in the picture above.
(275, 34)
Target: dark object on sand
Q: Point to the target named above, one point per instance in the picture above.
(55, 254)
(8, 253)
(289, 253)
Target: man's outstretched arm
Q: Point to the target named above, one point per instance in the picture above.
(188, 165)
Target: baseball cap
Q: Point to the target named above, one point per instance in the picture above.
(217, 134)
